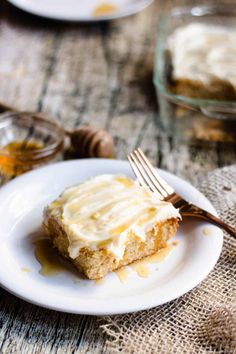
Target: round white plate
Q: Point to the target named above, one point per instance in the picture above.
(77, 10)
(21, 206)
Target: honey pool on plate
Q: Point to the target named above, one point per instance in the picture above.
(105, 9)
(141, 266)
(207, 231)
(52, 263)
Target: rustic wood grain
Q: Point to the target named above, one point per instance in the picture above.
(98, 74)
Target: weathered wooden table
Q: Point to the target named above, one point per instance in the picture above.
(99, 74)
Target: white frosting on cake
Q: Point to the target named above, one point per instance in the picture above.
(204, 52)
(103, 211)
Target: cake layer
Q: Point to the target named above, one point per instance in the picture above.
(97, 263)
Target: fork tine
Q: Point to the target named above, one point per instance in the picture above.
(142, 177)
(149, 169)
(149, 174)
(162, 183)
(136, 171)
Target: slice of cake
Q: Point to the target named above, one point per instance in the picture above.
(108, 222)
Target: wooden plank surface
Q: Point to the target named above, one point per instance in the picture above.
(99, 74)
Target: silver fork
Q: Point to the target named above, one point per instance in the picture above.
(148, 176)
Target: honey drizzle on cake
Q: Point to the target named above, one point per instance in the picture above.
(52, 264)
(103, 211)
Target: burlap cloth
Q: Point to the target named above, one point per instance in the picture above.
(202, 321)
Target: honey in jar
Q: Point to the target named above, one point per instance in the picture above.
(27, 140)
(15, 157)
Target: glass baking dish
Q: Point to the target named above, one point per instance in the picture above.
(193, 118)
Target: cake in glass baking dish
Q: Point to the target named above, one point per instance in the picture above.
(203, 61)
(194, 73)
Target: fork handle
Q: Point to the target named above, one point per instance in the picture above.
(203, 214)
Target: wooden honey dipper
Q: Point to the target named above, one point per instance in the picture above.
(84, 141)
(88, 141)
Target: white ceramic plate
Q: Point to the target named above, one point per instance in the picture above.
(21, 205)
(77, 10)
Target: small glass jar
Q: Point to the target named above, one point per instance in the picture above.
(27, 140)
(184, 117)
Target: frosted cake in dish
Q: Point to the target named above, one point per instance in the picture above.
(203, 61)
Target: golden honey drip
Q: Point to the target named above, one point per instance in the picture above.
(25, 270)
(11, 165)
(160, 255)
(118, 230)
(207, 231)
(125, 181)
(49, 259)
(175, 242)
(150, 215)
(105, 9)
(122, 274)
(52, 264)
(140, 267)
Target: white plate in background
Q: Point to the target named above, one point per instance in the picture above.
(21, 205)
(80, 10)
